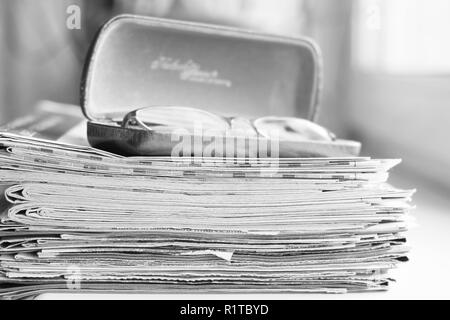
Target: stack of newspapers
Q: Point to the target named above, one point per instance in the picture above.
(83, 220)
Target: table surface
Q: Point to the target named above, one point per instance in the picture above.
(425, 276)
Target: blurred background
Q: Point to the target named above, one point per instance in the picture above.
(387, 64)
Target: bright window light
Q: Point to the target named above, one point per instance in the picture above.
(402, 36)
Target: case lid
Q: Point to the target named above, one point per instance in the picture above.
(137, 62)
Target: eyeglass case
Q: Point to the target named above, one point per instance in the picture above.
(138, 62)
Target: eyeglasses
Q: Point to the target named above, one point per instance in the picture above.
(168, 119)
(199, 122)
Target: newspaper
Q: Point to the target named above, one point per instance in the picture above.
(81, 219)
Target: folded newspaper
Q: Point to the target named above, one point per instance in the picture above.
(83, 220)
